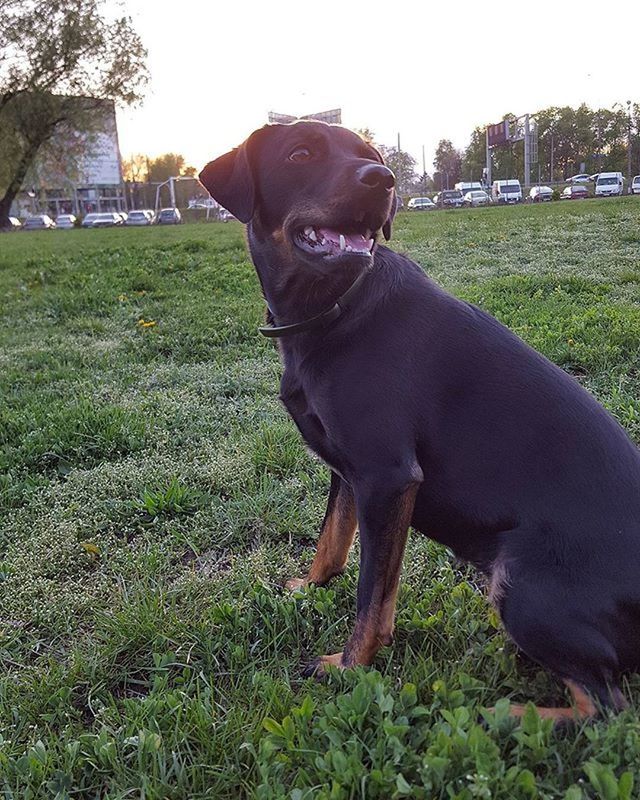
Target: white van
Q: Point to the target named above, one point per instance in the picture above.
(508, 191)
(471, 186)
(609, 184)
(635, 185)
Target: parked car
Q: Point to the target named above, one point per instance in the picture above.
(14, 223)
(582, 177)
(107, 219)
(200, 202)
(449, 198)
(224, 215)
(575, 192)
(140, 217)
(541, 194)
(65, 221)
(635, 185)
(88, 220)
(469, 186)
(478, 197)
(169, 216)
(39, 222)
(508, 191)
(609, 184)
(421, 204)
(123, 216)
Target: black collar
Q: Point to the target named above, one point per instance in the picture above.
(337, 309)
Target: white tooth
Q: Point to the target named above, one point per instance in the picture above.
(342, 242)
(349, 248)
(370, 244)
(313, 236)
(308, 231)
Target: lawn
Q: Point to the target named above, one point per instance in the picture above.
(154, 497)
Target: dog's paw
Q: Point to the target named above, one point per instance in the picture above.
(296, 584)
(318, 667)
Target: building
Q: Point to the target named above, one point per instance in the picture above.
(77, 173)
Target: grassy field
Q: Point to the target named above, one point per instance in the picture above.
(154, 497)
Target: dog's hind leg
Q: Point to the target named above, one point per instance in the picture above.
(565, 630)
(384, 518)
(336, 536)
(583, 707)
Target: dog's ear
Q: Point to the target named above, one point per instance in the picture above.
(386, 228)
(229, 180)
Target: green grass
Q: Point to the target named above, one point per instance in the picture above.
(154, 497)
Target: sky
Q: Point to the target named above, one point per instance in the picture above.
(421, 70)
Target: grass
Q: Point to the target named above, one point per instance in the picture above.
(154, 496)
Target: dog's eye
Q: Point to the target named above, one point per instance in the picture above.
(300, 154)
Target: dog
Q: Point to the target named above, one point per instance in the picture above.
(431, 414)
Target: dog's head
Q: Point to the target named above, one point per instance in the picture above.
(319, 191)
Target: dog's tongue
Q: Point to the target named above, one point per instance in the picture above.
(354, 240)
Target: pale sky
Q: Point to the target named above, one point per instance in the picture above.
(422, 69)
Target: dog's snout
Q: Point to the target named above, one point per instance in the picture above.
(377, 176)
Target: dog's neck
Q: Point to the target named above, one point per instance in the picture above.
(294, 291)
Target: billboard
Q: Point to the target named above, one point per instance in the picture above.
(498, 134)
(333, 117)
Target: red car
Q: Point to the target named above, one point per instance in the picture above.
(576, 192)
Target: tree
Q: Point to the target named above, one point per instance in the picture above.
(447, 164)
(367, 134)
(167, 166)
(135, 169)
(60, 61)
(474, 159)
(402, 165)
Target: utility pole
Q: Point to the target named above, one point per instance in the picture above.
(527, 152)
(551, 164)
(488, 157)
(629, 175)
(424, 173)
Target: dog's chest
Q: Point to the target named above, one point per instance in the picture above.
(298, 400)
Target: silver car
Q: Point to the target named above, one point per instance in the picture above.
(140, 217)
(478, 197)
(541, 194)
(39, 222)
(65, 221)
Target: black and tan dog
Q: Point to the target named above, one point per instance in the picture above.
(430, 413)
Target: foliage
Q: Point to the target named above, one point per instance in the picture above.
(166, 166)
(571, 138)
(403, 166)
(447, 165)
(61, 62)
(146, 648)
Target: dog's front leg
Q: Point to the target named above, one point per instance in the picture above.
(336, 536)
(384, 516)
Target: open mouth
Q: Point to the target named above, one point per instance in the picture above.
(331, 242)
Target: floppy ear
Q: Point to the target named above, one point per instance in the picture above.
(229, 181)
(386, 228)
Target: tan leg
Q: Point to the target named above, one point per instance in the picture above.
(336, 537)
(583, 707)
(383, 533)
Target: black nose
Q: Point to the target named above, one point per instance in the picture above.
(377, 176)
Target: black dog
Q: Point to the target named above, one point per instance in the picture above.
(430, 413)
